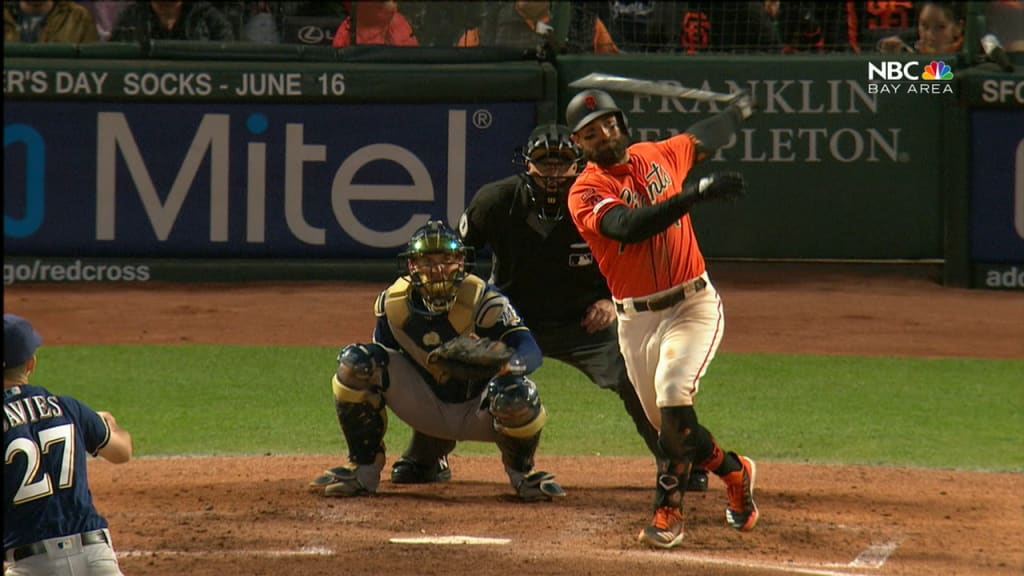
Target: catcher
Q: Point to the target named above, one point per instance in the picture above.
(450, 357)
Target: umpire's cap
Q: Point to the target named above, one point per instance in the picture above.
(588, 106)
(20, 340)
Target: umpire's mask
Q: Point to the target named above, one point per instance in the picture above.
(552, 161)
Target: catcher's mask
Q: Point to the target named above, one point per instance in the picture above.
(435, 260)
(552, 161)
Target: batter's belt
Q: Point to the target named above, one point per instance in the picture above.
(665, 298)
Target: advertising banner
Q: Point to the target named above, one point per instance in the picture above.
(210, 180)
(997, 197)
(843, 159)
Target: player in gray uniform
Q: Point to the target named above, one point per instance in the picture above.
(437, 301)
(546, 269)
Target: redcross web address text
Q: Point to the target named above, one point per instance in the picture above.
(74, 271)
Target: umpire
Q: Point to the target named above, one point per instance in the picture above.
(543, 265)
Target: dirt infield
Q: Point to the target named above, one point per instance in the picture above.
(252, 516)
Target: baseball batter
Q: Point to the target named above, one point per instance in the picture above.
(50, 524)
(436, 302)
(631, 204)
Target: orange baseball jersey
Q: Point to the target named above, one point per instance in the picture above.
(655, 172)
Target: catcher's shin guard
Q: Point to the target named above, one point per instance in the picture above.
(359, 403)
(517, 456)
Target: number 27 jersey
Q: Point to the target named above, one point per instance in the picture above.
(47, 439)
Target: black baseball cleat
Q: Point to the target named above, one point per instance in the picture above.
(407, 471)
(698, 481)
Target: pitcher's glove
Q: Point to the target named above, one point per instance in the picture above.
(470, 357)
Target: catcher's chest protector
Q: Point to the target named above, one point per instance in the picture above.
(418, 343)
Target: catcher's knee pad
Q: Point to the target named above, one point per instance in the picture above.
(360, 371)
(513, 401)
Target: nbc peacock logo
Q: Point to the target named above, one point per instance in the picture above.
(937, 70)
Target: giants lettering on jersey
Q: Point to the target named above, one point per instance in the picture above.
(31, 409)
(658, 180)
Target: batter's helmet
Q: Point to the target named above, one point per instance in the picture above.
(438, 293)
(590, 105)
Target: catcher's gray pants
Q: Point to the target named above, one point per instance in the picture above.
(411, 399)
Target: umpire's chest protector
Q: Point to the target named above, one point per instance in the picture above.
(419, 334)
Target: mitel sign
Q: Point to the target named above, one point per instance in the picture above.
(898, 77)
(234, 180)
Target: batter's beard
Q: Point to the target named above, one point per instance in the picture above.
(610, 155)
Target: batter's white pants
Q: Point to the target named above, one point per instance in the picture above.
(668, 351)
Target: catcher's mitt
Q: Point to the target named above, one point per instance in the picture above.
(471, 357)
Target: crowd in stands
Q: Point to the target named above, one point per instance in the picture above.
(602, 27)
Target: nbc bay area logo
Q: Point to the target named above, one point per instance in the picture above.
(895, 77)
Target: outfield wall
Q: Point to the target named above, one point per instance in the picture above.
(190, 152)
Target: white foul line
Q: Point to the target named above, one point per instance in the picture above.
(875, 555)
(304, 551)
(774, 567)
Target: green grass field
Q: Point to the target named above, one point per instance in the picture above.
(943, 413)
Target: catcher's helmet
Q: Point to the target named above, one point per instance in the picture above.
(549, 149)
(436, 279)
(590, 105)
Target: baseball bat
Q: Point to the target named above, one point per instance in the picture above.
(603, 81)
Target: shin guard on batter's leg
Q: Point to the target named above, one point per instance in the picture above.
(684, 441)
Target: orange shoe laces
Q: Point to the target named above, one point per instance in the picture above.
(666, 516)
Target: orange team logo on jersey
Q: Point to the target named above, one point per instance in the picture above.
(696, 31)
(590, 197)
(888, 14)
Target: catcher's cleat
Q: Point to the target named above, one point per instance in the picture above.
(666, 529)
(539, 486)
(339, 482)
(698, 481)
(741, 513)
(408, 471)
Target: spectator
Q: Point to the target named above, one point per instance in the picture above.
(259, 21)
(588, 32)
(172, 20)
(940, 30)
(51, 525)
(529, 25)
(376, 22)
(105, 13)
(869, 22)
(810, 26)
(726, 27)
(1005, 19)
(646, 26)
(445, 24)
(41, 22)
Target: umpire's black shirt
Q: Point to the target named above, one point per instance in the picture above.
(544, 267)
